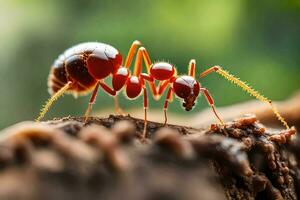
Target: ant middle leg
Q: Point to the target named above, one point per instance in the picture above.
(211, 103)
(142, 54)
(161, 88)
(131, 53)
(169, 98)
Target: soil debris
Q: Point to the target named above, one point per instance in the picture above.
(106, 159)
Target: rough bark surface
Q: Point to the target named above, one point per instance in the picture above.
(106, 158)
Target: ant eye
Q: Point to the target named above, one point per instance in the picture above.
(184, 104)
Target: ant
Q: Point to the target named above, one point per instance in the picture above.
(83, 68)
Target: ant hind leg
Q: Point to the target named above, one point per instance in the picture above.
(145, 113)
(118, 109)
(113, 93)
(52, 99)
(106, 88)
(211, 103)
(91, 102)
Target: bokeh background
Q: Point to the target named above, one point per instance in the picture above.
(257, 40)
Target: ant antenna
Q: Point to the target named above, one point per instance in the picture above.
(52, 99)
(252, 92)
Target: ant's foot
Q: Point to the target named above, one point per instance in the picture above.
(86, 118)
(144, 136)
(144, 140)
(120, 111)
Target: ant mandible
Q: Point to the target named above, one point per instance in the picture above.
(83, 68)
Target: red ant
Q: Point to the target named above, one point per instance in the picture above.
(84, 67)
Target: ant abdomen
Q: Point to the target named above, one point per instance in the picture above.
(57, 77)
(77, 72)
(83, 65)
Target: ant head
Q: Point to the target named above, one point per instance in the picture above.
(189, 102)
(187, 88)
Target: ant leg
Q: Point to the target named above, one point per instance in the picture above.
(146, 58)
(145, 114)
(210, 70)
(143, 55)
(192, 66)
(211, 103)
(127, 64)
(106, 88)
(247, 88)
(112, 92)
(147, 77)
(138, 63)
(169, 98)
(52, 99)
(162, 87)
(118, 109)
(91, 102)
(131, 53)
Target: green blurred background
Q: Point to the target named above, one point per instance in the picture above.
(257, 40)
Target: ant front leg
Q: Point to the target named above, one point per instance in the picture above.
(210, 70)
(169, 98)
(160, 90)
(233, 79)
(211, 103)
